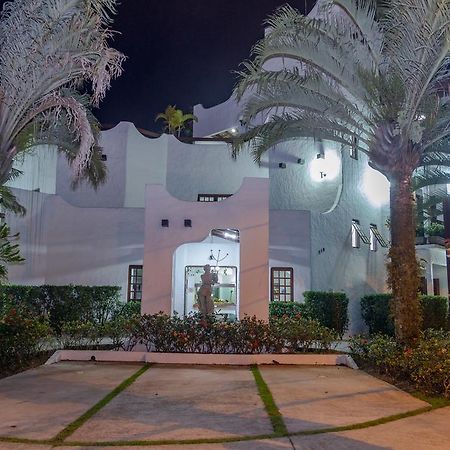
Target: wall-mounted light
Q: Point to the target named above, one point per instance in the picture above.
(188, 223)
(300, 161)
(325, 167)
(282, 165)
(376, 187)
(234, 130)
(165, 223)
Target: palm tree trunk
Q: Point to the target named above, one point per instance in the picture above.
(403, 269)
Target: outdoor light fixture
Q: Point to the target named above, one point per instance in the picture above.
(325, 167)
(282, 165)
(376, 187)
(300, 161)
(104, 157)
(233, 131)
(188, 223)
(165, 223)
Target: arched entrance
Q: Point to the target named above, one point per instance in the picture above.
(221, 250)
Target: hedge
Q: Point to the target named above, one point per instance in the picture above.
(328, 308)
(285, 309)
(62, 304)
(376, 312)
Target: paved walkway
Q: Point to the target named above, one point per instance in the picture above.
(168, 404)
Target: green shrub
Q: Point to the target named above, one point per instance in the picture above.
(434, 311)
(196, 334)
(297, 334)
(285, 309)
(22, 335)
(65, 304)
(426, 365)
(435, 229)
(376, 312)
(328, 308)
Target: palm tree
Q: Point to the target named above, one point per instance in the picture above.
(175, 120)
(9, 252)
(52, 52)
(379, 83)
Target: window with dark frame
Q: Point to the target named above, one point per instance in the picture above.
(423, 289)
(207, 198)
(282, 284)
(354, 148)
(135, 283)
(436, 286)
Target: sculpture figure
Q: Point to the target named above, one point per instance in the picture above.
(205, 301)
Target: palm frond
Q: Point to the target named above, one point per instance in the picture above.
(47, 47)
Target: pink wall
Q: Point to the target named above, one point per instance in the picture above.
(247, 210)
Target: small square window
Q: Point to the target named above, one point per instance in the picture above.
(135, 283)
(282, 284)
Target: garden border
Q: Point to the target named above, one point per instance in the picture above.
(311, 359)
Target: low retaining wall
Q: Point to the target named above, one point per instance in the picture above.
(311, 359)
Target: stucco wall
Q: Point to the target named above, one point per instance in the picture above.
(246, 211)
(39, 170)
(64, 244)
(216, 119)
(206, 169)
(290, 246)
(336, 266)
(112, 193)
(296, 187)
(32, 240)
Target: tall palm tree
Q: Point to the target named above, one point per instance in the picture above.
(52, 53)
(379, 83)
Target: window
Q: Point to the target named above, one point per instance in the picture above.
(135, 283)
(212, 197)
(436, 286)
(423, 288)
(377, 237)
(282, 284)
(358, 235)
(354, 148)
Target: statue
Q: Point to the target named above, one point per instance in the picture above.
(205, 301)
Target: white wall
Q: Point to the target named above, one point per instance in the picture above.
(340, 267)
(296, 187)
(216, 119)
(64, 244)
(206, 169)
(290, 246)
(39, 170)
(112, 193)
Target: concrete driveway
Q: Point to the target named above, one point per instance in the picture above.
(213, 407)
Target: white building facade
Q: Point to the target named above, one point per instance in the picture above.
(295, 223)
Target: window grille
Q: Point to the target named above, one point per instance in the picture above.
(282, 284)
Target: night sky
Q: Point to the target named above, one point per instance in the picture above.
(181, 52)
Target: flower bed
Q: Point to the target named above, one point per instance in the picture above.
(196, 334)
(426, 365)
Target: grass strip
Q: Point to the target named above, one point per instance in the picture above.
(368, 424)
(162, 442)
(278, 425)
(72, 427)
